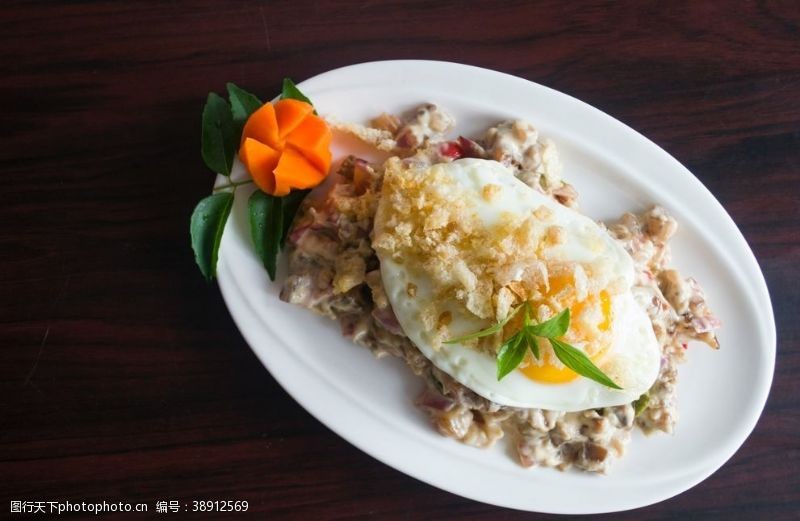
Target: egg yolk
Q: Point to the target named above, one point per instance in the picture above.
(548, 369)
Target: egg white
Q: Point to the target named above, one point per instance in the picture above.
(633, 358)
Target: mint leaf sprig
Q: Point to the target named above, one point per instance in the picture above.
(270, 217)
(512, 351)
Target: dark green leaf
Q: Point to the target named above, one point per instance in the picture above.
(641, 403)
(242, 105)
(533, 344)
(266, 226)
(510, 355)
(576, 360)
(486, 332)
(206, 227)
(530, 338)
(552, 328)
(291, 203)
(218, 140)
(290, 91)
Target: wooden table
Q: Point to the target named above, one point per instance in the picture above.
(123, 376)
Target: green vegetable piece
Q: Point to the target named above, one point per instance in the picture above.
(641, 403)
(533, 344)
(206, 227)
(290, 91)
(266, 227)
(554, 327)
(577, 360)
(243, 104)
(513, 350)
(510, 355)
(488, 331)
(218, 139)
(291, 203)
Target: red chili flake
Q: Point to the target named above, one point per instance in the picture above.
(684, 345)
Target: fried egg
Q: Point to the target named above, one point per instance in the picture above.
(461, 242)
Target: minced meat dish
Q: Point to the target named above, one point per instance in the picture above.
(334, 271)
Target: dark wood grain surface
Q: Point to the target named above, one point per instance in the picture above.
(123, 376)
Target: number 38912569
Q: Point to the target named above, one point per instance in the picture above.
(219, 506)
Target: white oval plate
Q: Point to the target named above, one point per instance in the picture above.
(369, 402)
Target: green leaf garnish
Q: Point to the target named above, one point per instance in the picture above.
(533, 344)
(290, 91)
(266, 227)
(291, 203)
(488, 331)
(556, 326)
(510, 355)
(243, 104)
(512, 352)
(218, 139)
(577, 360)
(270, 217)
(206, 227)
